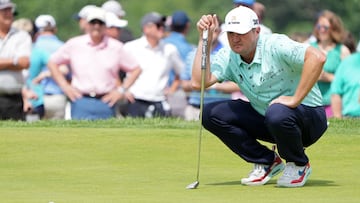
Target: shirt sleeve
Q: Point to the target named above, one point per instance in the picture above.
(177, 62)
(63, 54)
(24, 46)
(219, 64)
(186, 73)
(127, 61)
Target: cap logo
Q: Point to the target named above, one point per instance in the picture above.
(256, 21)
(233, 21)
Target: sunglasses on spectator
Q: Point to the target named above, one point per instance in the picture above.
(160, 25)
(325, 27)
(93, 22)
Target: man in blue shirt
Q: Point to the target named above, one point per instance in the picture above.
(278, 76)
(180, 27)
(54, 97)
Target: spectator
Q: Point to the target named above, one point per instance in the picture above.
(14, 57)
(95, 60)
(54, 98)
(217, 92)
(180, 27)
(329, 33)
(114, 25)
(345, 88)
(350, 42)
(156, 60)
(81, 17)
(115, 7)
(33, 93)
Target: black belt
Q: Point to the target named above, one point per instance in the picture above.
(196, 105)
(93, 95)
(10, 94)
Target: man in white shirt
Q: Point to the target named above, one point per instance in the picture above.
(15, 50)
(156, 59)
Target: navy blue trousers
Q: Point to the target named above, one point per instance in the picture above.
(240, 127)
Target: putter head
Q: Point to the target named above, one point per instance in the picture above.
(193, 185)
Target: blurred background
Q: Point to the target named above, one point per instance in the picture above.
(281, 16)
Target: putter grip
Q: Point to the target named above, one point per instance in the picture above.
(204, 49)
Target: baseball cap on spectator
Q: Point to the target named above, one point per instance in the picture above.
(114, 7)
(179, 18)
(153, 17)
(45, 21)
(112, 20)
(84, 12)
(97, 14)
(7, 4)
(241, 20)
(244, 2)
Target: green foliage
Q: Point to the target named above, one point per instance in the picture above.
(281, 16)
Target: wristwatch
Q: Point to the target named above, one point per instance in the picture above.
(121, 89)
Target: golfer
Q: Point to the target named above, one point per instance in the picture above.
(278, 76)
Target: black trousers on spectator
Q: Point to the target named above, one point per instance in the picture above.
(146, 109)
(239, 127)
(11, 107)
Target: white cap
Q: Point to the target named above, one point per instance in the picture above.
(43, 21)
(7, 4)
(241, 20)
(113, 20)
(114, 7)
(97, 14)
(84, 12)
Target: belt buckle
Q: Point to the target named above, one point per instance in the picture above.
(92, 94)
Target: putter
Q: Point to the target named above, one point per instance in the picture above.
(202, 88)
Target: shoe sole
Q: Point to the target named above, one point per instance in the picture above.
(276, 170)
(300, 184)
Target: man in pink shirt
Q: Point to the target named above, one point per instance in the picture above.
(95, 60)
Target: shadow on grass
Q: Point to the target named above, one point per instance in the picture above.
(310, 183)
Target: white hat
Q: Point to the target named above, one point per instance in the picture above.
(84, 12)
(97, 14)
(43, 21)
(114, 7)
(113, 21)
(7, 4)
(241, 20)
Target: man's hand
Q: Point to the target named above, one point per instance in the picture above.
(285, 100)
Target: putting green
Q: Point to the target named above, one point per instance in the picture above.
(153, 161)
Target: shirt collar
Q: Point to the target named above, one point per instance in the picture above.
(146, 44)
(102, 44)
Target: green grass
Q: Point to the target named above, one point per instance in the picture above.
(153, 160)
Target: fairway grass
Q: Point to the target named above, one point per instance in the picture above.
(154, 160)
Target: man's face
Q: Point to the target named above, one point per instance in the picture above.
(97, 28)
(243, 44)
(6, 16)
(155, 30)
